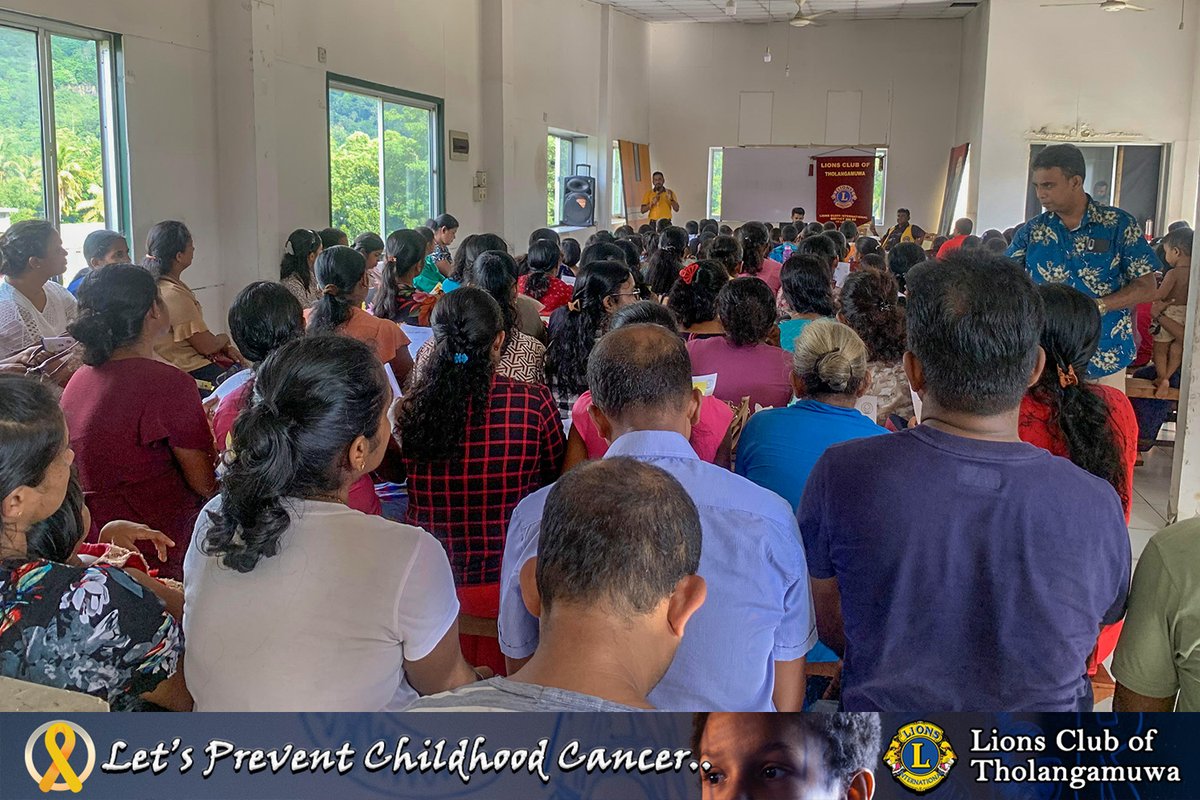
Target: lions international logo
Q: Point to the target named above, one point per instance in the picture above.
(57, 739)
(920, 756)
(844, 196)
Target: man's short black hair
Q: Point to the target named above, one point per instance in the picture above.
(850, 741)
(639, 367)
(692, 227)
(975, 322)
(1066, 157)
(264, 316)
(904, 211)
(628, 554)
(798, 210)
(656, 172)
(823, 247)
(964, 226)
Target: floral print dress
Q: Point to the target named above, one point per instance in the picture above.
(88, 629)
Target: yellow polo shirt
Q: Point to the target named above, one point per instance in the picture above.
(660, 204)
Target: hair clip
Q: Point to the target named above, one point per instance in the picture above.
(574, 306)
(461, 358)
(288, 249)
(688, 273)
(1067, 378)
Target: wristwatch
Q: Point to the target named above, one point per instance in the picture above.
(1100, 304)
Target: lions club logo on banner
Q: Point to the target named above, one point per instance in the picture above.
(58, 740)
(920, 756)
(844, 196)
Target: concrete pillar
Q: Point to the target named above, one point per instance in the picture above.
(1185, 477)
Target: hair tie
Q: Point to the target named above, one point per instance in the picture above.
(688, 273)
(885, 306)
(1068, 378)
(461, 358)
(575, 306)
(330, 290)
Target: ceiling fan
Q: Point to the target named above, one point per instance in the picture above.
(1106, 5)
(804, 19)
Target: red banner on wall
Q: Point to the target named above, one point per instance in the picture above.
(845, 188)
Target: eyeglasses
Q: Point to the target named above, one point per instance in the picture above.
(634, 293)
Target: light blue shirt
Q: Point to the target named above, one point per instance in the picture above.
(759, 605)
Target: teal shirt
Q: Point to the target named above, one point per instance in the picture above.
(430, 276)
(789, 329)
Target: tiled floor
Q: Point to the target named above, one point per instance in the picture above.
(1151, 489)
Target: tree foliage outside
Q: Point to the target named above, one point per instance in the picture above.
(716, 168)
(80, 178)
(354, 164)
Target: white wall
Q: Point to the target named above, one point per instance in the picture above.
(971, 89)
(1058, 67)
(908, 73)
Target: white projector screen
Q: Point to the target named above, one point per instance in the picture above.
(766, 183)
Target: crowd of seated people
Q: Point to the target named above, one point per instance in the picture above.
(624, 463)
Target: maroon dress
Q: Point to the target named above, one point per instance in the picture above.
(124, 417)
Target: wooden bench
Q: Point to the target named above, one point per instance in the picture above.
(1141, 387)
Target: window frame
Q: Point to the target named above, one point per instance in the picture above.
(110, 84)
(390, 94)
(579, 142)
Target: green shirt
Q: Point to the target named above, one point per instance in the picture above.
(430, 276)
(1159, 651)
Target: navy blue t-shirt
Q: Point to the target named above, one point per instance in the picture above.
(974, 576)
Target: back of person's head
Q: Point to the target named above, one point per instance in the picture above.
(495, 271)
(646, 229)
(776, 235)
(964, 226)
(996, 245)
(56, 537)
(1070, 337)
(746, 307)
(300, 244)
(663, 224)
(710, 226)
(840, 244)
(1066, 157)
(1010, 234)
(829, 226)
(871, 306)
(332, 237)
(808, 285)
(1176, 225)
(601, 251)
(545, 235)
(264, 317)
(726, 251)
(33, 435)
(624, 231)
(640, 369)
(586, 318)
(633, 253)
(433, 417)
(1181, 239)
(113, 304)
(972, 242)
(664, 265)
(905, 256)
(866, 245)
(165, 241)
(829, 358)
(444, 221)
(692, 227)
(571, 251)
(98, 245)
(754, 238)
(693, 298)
(813, 229)
(724, 230)
(644, 312)
(849, 230)
(991, 234)
(542, 262)
(339, 272)
(787, 232)
(313, 398)
(823, 247)
(974, 320)
(468, 250)
(626, 558)
(369, 242)
(403, 253)
(831, 750)
(23, 241)
(937, 245)
(873, 261)
(426, 234)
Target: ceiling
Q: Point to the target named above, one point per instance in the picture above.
(783, 10)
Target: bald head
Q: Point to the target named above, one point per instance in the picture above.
(642, 370)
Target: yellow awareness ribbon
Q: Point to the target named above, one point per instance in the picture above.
(59, 755)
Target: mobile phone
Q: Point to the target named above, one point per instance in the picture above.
(57, 344)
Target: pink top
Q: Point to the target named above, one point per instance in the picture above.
(769, 274)
(707, 434)
(362, 493)
(761, 372)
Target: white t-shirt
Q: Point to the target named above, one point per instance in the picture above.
(323, 625)
(23, 326)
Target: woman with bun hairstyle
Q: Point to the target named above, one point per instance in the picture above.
(475, 443)
(296, 267)
(780, 446)
(296, 602)
(342, 275)
(142, 441)
(693, 298)
(871, 306)
(755, 240)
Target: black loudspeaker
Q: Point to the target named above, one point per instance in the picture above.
(579, 200)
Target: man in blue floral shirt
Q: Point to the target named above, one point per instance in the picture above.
(1097, 249)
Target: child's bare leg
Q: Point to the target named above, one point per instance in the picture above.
(1162, 354)
(1174, 362)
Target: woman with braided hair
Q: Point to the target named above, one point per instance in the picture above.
(475, 443)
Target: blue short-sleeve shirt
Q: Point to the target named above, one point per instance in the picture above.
(1100, 257)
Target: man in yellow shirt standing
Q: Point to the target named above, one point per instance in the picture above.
(659, 201)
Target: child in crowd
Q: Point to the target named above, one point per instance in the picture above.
(1172, 303)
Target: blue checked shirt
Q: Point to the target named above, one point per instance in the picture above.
(1100, 257)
